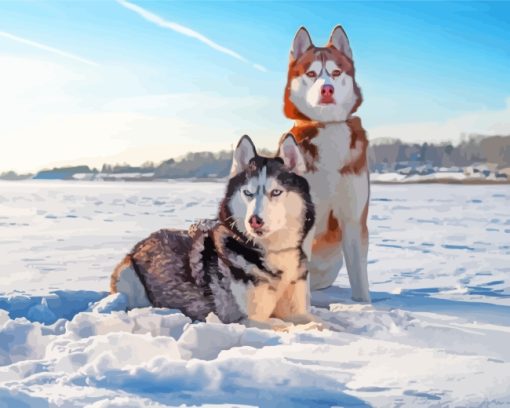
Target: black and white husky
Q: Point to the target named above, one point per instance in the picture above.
(248, 266)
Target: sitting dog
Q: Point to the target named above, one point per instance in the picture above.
(249, 265)
(321, 95)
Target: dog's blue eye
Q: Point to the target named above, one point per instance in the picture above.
(276, 193)
(247, 193)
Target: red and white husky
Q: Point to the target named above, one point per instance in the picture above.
(321, 95)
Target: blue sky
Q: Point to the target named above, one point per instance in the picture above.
(94, 81)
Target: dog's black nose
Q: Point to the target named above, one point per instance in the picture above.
(256, 222)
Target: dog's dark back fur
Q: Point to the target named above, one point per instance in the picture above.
(162, 263)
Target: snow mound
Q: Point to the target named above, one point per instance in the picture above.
(21, 340)
(158, 357)
(50, 307)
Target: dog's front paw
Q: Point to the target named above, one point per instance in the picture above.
(270, 324)
(307, 321)
(312, 326)
(281, 328)
(302, 318)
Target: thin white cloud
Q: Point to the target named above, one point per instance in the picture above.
(45, 47)
(260, 67)
(154, 18)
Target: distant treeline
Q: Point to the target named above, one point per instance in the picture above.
(384, 156)
(192, 165)
(477, 149)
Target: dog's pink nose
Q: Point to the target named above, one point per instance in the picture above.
(327, 91)
(256, 222)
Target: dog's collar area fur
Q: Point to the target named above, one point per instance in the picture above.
(254, 246)
(279, 251)
(310, 122)
(227, 240)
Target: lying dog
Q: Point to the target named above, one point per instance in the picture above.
(249, 265)
(321, 95)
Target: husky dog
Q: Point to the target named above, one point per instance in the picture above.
(321, 95)
(248, 266)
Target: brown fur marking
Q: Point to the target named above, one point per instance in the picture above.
(125, 263)
(359, 146)
(304, 132)
(331, 237)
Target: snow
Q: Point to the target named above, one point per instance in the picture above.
(387, 177)
(437, 333)
(441, 176)
(133, 176)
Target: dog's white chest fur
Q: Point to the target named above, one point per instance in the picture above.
(286, 261)
(345, 195)
(333, 144)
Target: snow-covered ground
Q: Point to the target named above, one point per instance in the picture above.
(437, 177)
(437, 333)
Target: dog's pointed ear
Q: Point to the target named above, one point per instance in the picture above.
(291, 155)
(301, 43)
(339, 40)
(244, 152)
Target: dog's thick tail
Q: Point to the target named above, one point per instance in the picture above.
(125, 280)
